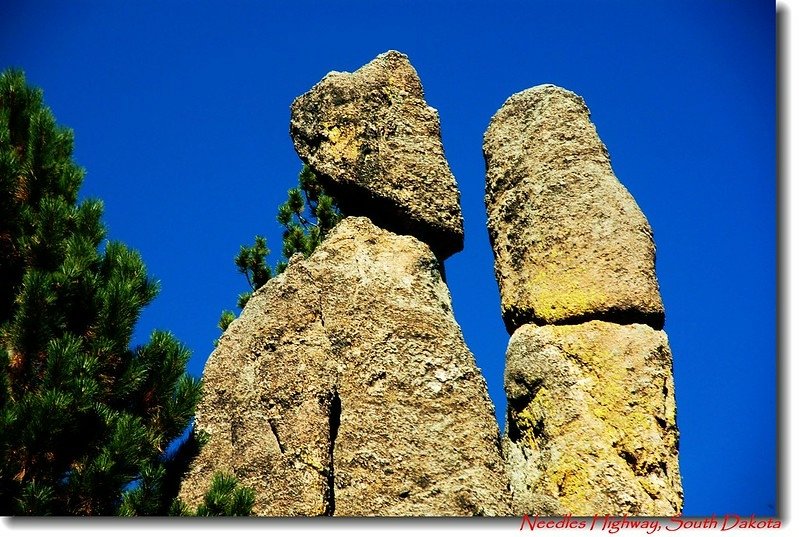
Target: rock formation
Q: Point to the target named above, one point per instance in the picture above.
(591, 423)
(591, 420)
(376, 146)
(569, 241)
(345, 387)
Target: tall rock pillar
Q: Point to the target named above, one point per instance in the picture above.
(591, 426)
(345, 387)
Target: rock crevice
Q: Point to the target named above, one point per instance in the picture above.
(345, 387)
(381, 410)
(335, 423)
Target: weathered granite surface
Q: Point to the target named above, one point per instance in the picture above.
(569, 241)
(591, 421)
(376, 146)
(345, 388)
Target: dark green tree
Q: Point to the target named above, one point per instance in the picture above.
(307, 216)
(225, 498)
(85, 420)
(157, 490)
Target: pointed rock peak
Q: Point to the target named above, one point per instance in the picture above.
(376, 146)
(394, 69)
(570, 243)
(345, 388)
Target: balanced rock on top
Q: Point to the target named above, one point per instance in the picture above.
(570, 243)
(376, 146)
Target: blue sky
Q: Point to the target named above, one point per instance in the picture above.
(181, 113)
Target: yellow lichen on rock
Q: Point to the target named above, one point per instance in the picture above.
(556, 295)
(333, 134)
(590, 424)
(343, 144)
(374, 142)
(570, 242)
(591, 416)
(568, 478)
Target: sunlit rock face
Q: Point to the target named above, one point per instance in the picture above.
(569, 241)
(591, 425)
(345, 388)
(591, 420)
(376, 146)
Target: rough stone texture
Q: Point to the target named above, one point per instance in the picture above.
(591, 421)
(376, 146)
(570, 243)
(345, 387)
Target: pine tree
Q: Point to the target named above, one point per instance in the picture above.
(225, 498)
(85, 421)
(158, 488)
(307, 216)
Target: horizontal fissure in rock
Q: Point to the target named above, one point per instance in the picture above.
(356, 200)
(515, 318)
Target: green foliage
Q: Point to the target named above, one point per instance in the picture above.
(225, 498)
(251, 261)
(307, 216)
(83, 417)
(156, 493)
(227, 318)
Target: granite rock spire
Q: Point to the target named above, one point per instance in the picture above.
(591, 425)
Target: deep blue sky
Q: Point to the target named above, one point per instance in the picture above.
(181, 114)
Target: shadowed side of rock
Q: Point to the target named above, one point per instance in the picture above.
(345, 388)
(376, 146)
